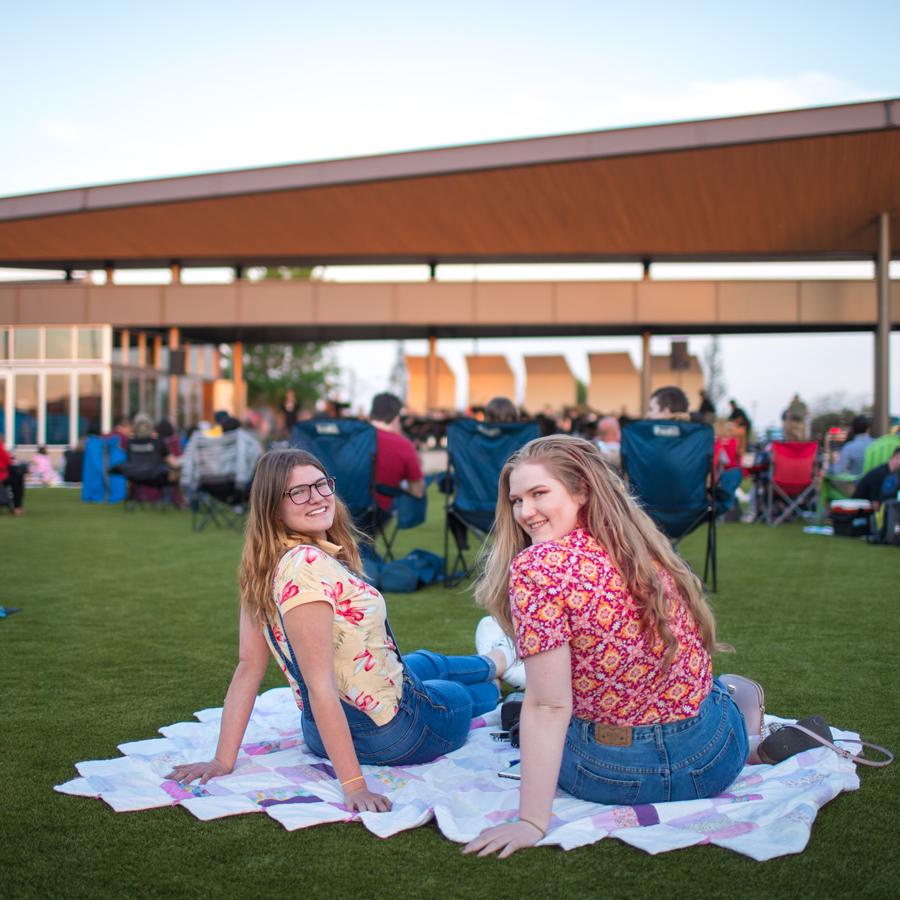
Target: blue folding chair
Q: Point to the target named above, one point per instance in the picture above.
(669, 467)
(476, 453)
(346, 448)
(97, 484)
(406, 511)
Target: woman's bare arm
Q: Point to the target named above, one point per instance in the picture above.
(545, 717)
(309, 630)
(253, 659)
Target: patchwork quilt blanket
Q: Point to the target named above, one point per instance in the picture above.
(767, 812)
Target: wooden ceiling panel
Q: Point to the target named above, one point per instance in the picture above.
(807, 197)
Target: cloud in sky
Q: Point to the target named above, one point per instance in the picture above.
(60, 132)
(745, 95)
(350, 117)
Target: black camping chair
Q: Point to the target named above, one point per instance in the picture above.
(476, 453)
(669, 467)
(145, 466)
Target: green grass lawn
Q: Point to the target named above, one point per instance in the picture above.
(129, 623)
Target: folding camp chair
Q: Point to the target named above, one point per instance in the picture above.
(216, 475)
(406, 511)
(669, 466)
(346, 448)
(99, 484)
(880, 451)
(476, 453)
(147, 474)
(792, 479)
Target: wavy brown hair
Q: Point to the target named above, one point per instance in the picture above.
(636, 547)
(266, 539)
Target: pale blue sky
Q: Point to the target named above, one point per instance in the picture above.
(98, 91)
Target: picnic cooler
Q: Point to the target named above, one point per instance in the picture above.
(851, 518)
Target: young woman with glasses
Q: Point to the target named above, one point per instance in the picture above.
(304, 601)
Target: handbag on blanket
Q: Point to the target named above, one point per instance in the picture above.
(790, 739)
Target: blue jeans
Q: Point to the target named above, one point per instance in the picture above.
(441, 696)
(686, 760)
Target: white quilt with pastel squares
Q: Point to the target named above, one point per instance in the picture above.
(769, 811)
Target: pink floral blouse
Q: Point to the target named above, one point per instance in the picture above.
(568, 592)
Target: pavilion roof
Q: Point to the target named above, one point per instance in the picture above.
(802, 184)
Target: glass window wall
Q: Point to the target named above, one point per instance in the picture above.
(26, 409)
(134, 398)
(3, 408)
(4, 343)
(118, 393)
(90, 343)
(58, 343)
(162, 397)
(59, 405)
(27, 343)
(90, 396)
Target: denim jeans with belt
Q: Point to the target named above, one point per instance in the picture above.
(441, 695)
(685, 760)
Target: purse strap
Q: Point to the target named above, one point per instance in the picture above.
(846, 754)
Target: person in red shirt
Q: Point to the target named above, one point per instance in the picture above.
(12, 476)
(396, 461)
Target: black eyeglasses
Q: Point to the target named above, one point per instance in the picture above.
(302, 493)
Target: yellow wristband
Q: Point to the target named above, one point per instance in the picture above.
(351, 780)
(543, 831)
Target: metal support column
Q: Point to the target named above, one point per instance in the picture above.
(645, 372)
(125, 352)
(431, 385)
(237, 374)
(174, 340)
(881, 423)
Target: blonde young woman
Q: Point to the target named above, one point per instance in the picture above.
(304, 601)
(621, 706)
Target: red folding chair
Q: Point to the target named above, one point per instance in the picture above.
(792, 478)
(730, 447)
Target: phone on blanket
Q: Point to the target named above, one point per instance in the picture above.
(514, 771)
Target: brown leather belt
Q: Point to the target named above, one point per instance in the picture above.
(613, 735)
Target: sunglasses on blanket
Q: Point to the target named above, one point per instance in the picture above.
(302, 493)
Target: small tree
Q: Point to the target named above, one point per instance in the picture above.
(716, 389)
(580, 392)
(288, 273)
(835, 410)
(270, 370)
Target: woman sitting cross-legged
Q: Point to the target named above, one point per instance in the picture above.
(304, 600)
(620, 705)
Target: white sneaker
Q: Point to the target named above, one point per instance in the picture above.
(490, 636)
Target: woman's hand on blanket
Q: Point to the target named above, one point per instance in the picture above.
(506, 838)
(365, 800)
(189, 772)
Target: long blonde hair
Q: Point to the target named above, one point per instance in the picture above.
(266, 538)
(636, 547)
